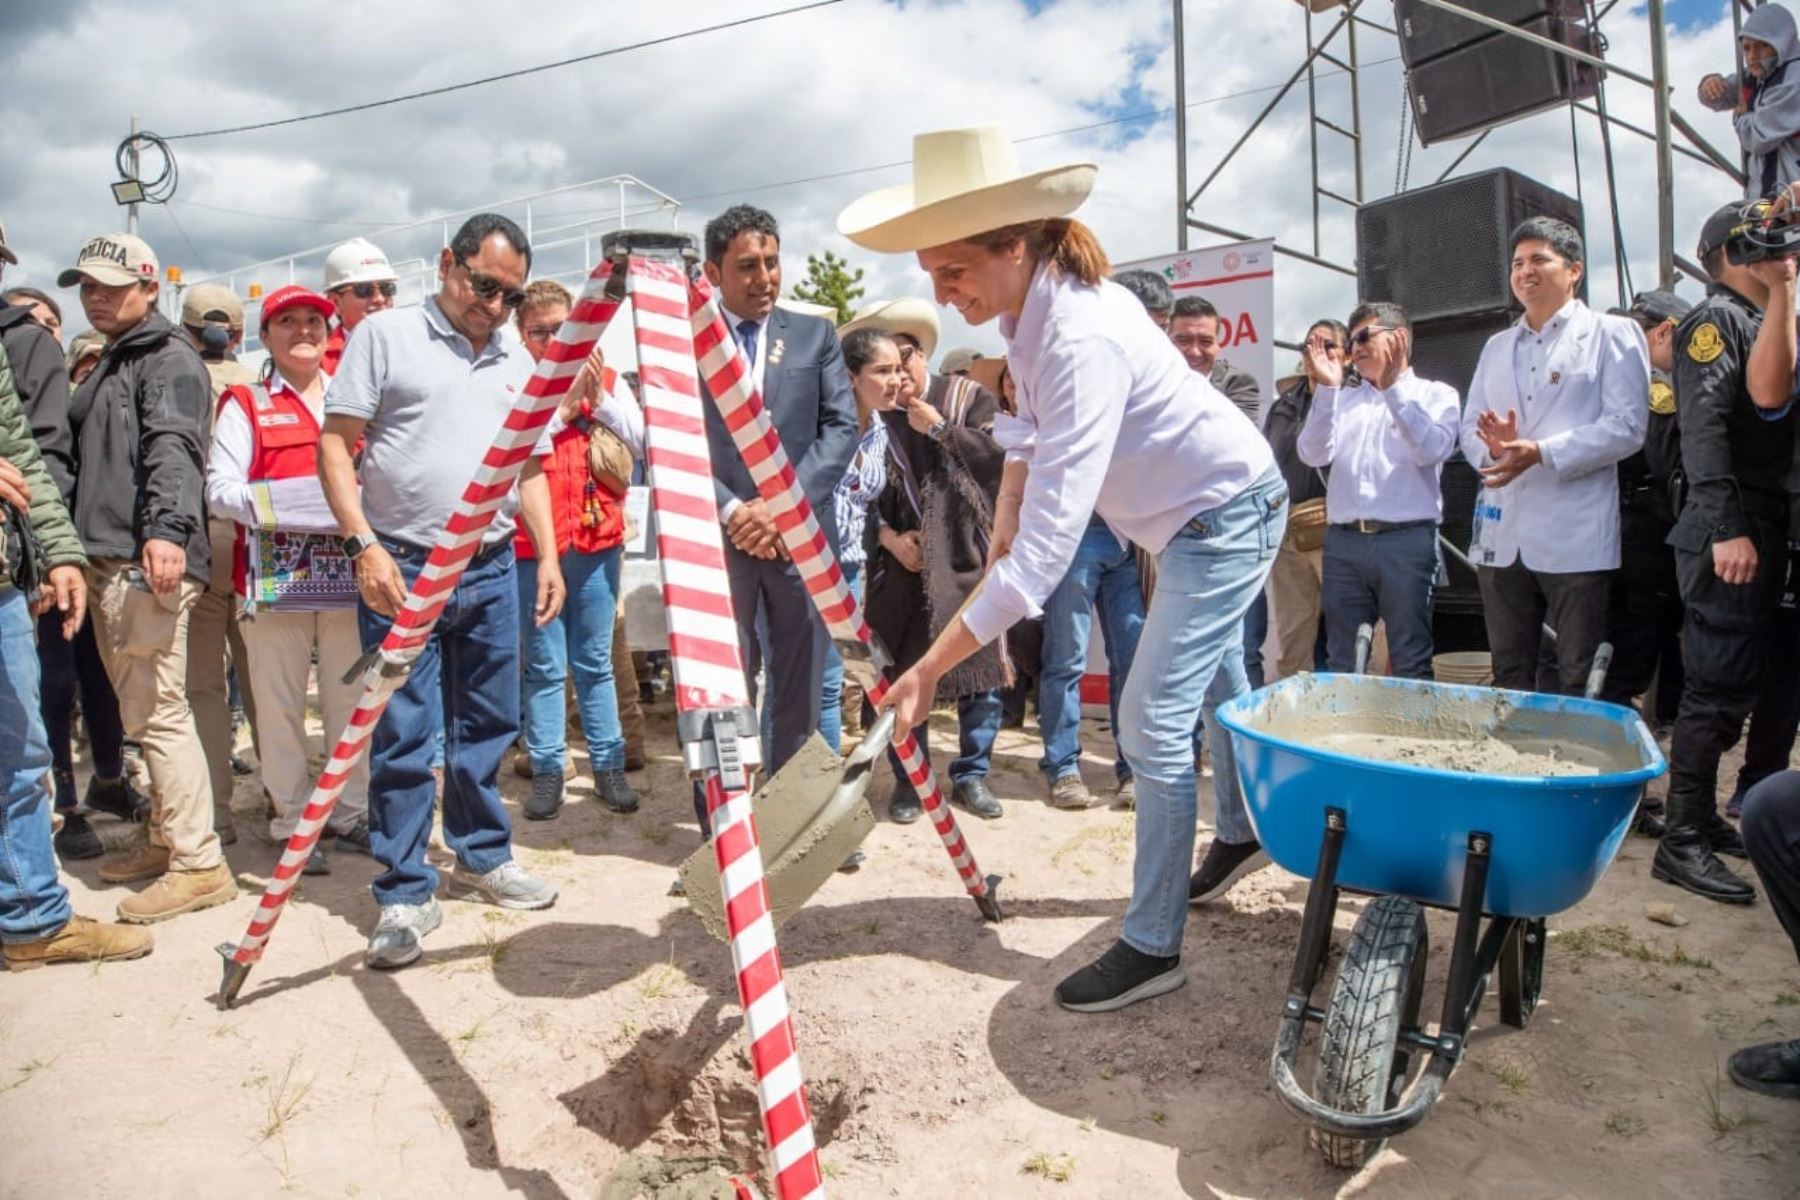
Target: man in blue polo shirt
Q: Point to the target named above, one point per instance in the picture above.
(426, 390)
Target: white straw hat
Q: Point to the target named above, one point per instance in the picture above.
(964, 182)
(909, 315)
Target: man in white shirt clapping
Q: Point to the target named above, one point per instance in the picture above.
(1384, 441)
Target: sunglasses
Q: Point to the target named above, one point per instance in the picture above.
(366, 291)
(486, 287)
(1366, 334)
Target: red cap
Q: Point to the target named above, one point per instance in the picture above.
(283, 298)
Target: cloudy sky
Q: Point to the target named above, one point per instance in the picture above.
(799, 114)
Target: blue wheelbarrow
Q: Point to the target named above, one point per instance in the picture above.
(1502, 851)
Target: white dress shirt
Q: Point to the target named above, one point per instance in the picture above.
(1578, 386)
(757, 375)
(1385, 448)
(295, 504)
(1111, 420)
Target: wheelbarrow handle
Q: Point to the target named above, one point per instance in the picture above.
(1596, 680)
(1392, 1122)
(1365, 644)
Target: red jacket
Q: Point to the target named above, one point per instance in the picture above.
(285, 445)
(588, 518)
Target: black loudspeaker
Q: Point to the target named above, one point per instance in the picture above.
(1442, 251)
(1499, 79)
(1427, 31)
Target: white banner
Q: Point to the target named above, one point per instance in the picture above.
(1239, 280)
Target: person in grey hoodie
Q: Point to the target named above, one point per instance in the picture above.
(1764, 99)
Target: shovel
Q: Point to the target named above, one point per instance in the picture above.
(809, 817)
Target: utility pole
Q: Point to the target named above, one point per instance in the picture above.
(131, 153)
(1181, 187)
(1665, 159)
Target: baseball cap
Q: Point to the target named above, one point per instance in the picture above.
(212, 304)
(1659, 305)
(112, 260)
(291, 296)
(1730, 219)
(356, 261)
(6, 254)
(957, 360)
(84, 344)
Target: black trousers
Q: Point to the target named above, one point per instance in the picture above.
(795, 664)
(1644, 626)
(68, 667)
(1516, 601)
(1771, 828)
(1741, 654)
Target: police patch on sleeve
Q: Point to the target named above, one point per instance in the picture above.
(1705, 344)
(1662, 396)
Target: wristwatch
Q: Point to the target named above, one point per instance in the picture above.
(936, 432)
(355, 543)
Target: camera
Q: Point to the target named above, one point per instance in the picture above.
(1758, 238)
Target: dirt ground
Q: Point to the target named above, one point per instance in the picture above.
(573, 1051)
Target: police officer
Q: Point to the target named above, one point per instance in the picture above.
(1730, 545)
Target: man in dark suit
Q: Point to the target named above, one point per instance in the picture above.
(798, 368)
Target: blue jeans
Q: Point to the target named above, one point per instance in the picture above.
(831, 696)
(1205, 580)
(578, 640)
(33, 903)
(1381, 576)
(465, 682)
(1103, 577)
(1256, 632)
(977, 725)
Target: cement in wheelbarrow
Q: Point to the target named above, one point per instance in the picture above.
(1408, 825)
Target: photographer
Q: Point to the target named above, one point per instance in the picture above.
(1730, 540)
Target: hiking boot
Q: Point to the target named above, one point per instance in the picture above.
(1070, 793)
(179, 892)
(1126, 796)
(81, 940)
(354, 839)
(1772, 1068)
(76, 839)
(1121, 976)
(117, 798)
(1225, 863)
(973, 795)
(135, 865)
(507, 886)
(1684, 859)
(399, 932)
(634, 758)
(905, 807)
(521, 763)
(316, 862)
(546, 797)
(615, 792)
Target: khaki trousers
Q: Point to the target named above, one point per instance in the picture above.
(211, 628)
(143, 641)
(625, 687)
(1296, 582)
(280, 647)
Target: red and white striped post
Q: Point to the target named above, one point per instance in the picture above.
(718, 730)
(387, 665)
(728, 380)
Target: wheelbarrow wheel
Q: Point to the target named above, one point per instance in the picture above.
(1363, 1061)
(1522, 972)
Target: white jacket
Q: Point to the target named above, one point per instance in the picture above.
(1592, 410)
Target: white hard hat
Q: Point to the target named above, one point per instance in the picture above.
(356, 261)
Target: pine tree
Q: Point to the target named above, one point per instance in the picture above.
(831, 282)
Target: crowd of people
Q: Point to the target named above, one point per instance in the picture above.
(181, 528)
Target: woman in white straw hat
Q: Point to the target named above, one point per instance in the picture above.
(1110, 420)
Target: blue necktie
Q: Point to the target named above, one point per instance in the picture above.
(746, 331)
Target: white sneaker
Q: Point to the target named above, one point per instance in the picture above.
(507, 886)
(399, 932)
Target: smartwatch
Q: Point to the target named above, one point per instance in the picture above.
(355, 544)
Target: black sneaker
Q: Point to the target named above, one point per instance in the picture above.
(116, 798)
(1225, 863)
(354, 839)
(615, 791)
(1120, 977)
(76, 839)
(1684, 859)
(316, 862)
(1772, 1068)
(905, 808)
(973, 795)
(546, 796)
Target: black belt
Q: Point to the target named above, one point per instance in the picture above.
(412, 552)
(1378, 526)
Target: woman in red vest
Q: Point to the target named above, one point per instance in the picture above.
(296, 587)
(590, 536)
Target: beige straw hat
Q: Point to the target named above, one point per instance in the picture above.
(909, 315)
(964, 182)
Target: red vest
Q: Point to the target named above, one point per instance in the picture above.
(284, 439)
(588, 518)
(334, 349)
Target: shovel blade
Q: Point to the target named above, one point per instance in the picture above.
(809, 817)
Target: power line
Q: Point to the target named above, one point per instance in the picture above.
(457, 87)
